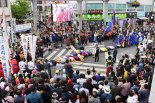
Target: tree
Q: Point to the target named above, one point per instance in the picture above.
(20, 9)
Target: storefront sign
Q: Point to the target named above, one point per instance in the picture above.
(92, 17)
(100, 16)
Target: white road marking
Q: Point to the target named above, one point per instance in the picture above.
(90, 64)
(69, 52)
(60, 53)
(85, 68)
(52, 54)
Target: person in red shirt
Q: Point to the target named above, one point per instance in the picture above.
(108, 69)
(1, 70)
(14, 66)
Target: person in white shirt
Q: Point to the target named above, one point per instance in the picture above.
(59, 66)
(141, 48)
(145, 42)
(84, 88)
(31, 65)
(88, 75)
(81, 80)
(22, 65)
(133, 97)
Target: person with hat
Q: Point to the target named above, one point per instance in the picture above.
(54, 97)
(57, 75)
(106, 95)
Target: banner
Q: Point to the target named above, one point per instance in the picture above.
(4, 57)
(24, 40)
(34, 47)
(30, 38)
(63, 12)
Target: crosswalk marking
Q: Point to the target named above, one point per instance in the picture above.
(52, 54)
(46, 52)
(106, 56)
(90, 64)
(131, 55)
(69, 52)
(117, 60)
(60, 53)
(112, 47)
(85, 68)
(57, 49)
(84, 72)
(94, 46)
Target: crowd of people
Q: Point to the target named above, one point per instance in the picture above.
(32, 82)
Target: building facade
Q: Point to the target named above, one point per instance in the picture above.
(5, 8)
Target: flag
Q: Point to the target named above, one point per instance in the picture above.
(4, 54)
(110, 26)
(3, 25)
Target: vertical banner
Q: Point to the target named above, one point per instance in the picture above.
(24, 40)
(4, 57)
(34, 47)
(30, 44)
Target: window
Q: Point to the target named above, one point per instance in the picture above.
(90, 6)
(130, 8)
(148, 8)
(3, 3)
(140, 8)
(120, 7)
(111, 6)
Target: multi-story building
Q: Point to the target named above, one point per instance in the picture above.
(122, 7)
(5, 8)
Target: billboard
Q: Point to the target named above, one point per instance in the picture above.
(63, 12)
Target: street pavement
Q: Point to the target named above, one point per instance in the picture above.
(89, 61)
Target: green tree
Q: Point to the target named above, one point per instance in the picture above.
(20, 9)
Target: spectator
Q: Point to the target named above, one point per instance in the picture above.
(94, 98)
(143, 94)
(34, 97)
(133, 97)
(6, 97)
(19, 98)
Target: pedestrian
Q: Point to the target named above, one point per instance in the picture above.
(109, 60)
(19, 98)
(96, 53)
(34, 97)
(114, 54)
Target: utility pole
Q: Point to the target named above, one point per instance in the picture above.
(153, 5)
(35, 16)
(105, 11)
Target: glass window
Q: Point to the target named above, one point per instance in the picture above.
(3, 3)
(148, 8)
(130, 8)
(140, 8)
(90, 6)
(111, 7)
(120, 7)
